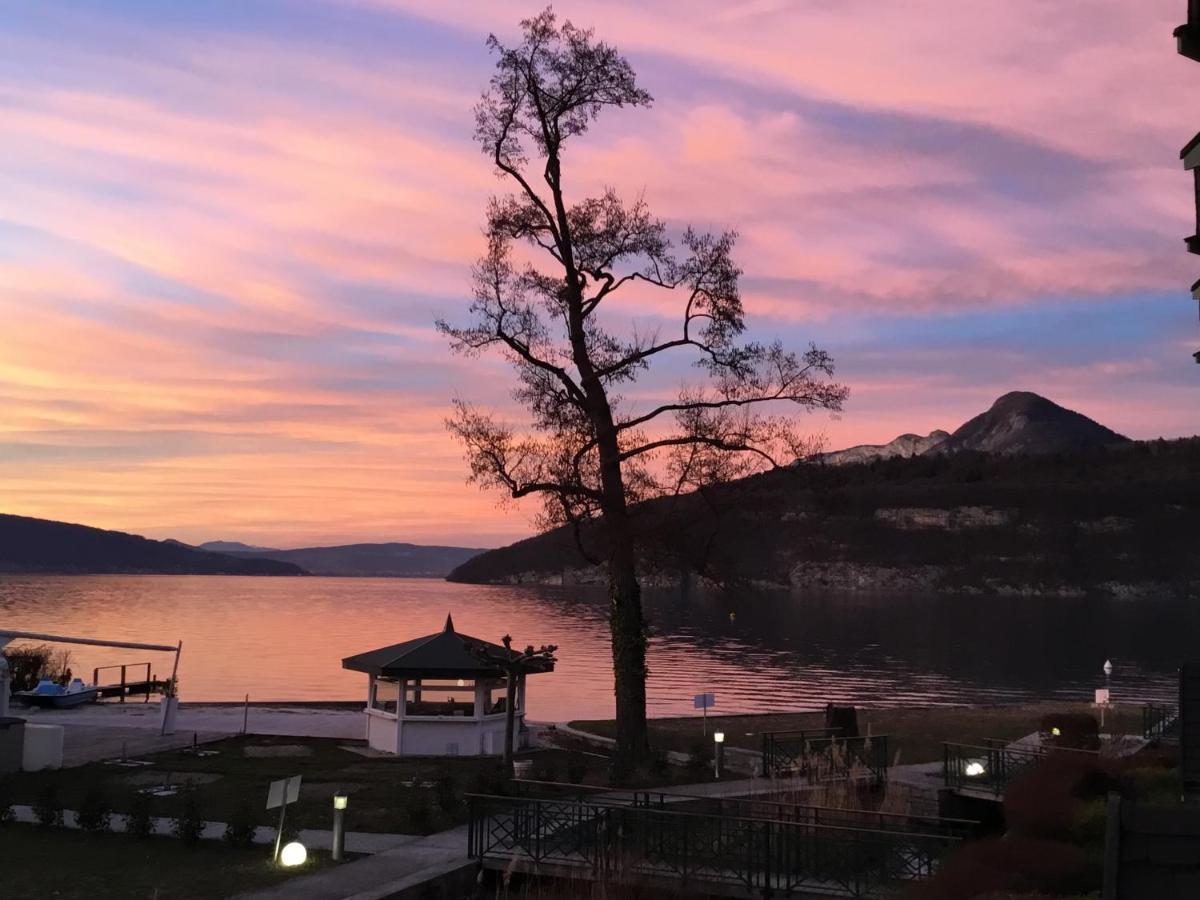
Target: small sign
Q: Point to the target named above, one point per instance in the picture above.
(284, 791)
(1101, 696)
(705, 701)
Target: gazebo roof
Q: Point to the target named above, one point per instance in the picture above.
(446, 653)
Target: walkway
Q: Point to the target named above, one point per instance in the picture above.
(110, 730)
(382, 875)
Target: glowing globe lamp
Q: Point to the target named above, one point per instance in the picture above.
(293, 854)
(974, 769)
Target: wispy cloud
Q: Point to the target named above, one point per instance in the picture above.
(226, 229)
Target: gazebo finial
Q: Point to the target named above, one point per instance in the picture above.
(449, 624)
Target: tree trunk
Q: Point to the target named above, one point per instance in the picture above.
(628, 647)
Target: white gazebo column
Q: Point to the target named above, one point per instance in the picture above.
(521, 693)
(401, 708)
(370, 704)
(481, 692)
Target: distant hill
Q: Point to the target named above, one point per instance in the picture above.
(392, 560)
(904, 446)
(1024, 422)
(233, 547)
(1058, 505)
(40, 545)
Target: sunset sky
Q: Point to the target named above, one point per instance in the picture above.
(226, 229)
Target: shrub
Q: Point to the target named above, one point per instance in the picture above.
(699, 758)
(1007, 864)
(490, 778)
(419, 815)
(576, 773)
(660, 763)
(188, 824)
(138, 821)
(445, 792)
(240, 829)
(1046, 800)
(94, 812)
(47, 809)
(544, 770)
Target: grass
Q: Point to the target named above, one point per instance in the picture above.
(234, 781)
(916, 734)
(387, 794)
(69, 865)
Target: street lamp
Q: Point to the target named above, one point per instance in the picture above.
(718, 746)
(340, 802)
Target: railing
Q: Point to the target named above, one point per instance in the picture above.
(125, 686)
(747, 808)
(993, 766)
(638, 843)
(1159, 721)
(823, 753)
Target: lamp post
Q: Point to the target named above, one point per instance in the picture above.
(718, 748)
(1108, 670)
(340, 802)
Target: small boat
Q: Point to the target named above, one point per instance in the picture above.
(56, 696)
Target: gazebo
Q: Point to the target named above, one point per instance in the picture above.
(437, 696)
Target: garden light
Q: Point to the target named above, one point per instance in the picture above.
(1056, 731)
(974, 769)
(340, 801)
(293, 854)
(719, 737)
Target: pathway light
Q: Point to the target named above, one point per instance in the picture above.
(293, 854)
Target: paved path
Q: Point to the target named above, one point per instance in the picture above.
(112, 730)
(382, 875)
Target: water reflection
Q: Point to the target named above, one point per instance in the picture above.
(284, 638)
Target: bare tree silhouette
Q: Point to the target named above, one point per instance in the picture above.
(587, 451)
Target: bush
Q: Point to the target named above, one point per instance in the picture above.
(1007, 864)
(138, 821)
(543, 770)
(1076, 731)
(445, 792)
(699, 759)
(188, 825)
(489, 779)
(240, 829)
(660, 763)
(419, 815)
(94, 812)
(47, 809)
(576, 773)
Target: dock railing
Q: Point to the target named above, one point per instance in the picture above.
(641, 844)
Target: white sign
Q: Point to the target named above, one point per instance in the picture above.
(286, 790)
(705, 701)
(1102, 696)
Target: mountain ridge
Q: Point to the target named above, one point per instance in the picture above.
(30, 545)
(392, 559)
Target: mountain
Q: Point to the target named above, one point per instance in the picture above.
(393, 560)
(1024, 422)
(1018, 422)
(1057, 505)
(904, 446)
(40, 545)
(233, 547)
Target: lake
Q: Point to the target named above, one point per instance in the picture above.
(283, 639)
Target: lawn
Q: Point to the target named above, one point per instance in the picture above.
(916, 734)
(70, 865)
(387, 794)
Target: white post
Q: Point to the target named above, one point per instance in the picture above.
(401, 704)
(5, 685)
(480, 701)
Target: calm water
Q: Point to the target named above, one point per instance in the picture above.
(283, 639)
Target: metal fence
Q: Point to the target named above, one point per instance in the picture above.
(1160, 722)
(622, 843)
(823, 753)
(994, 765)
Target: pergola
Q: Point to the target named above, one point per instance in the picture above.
(438, 696)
